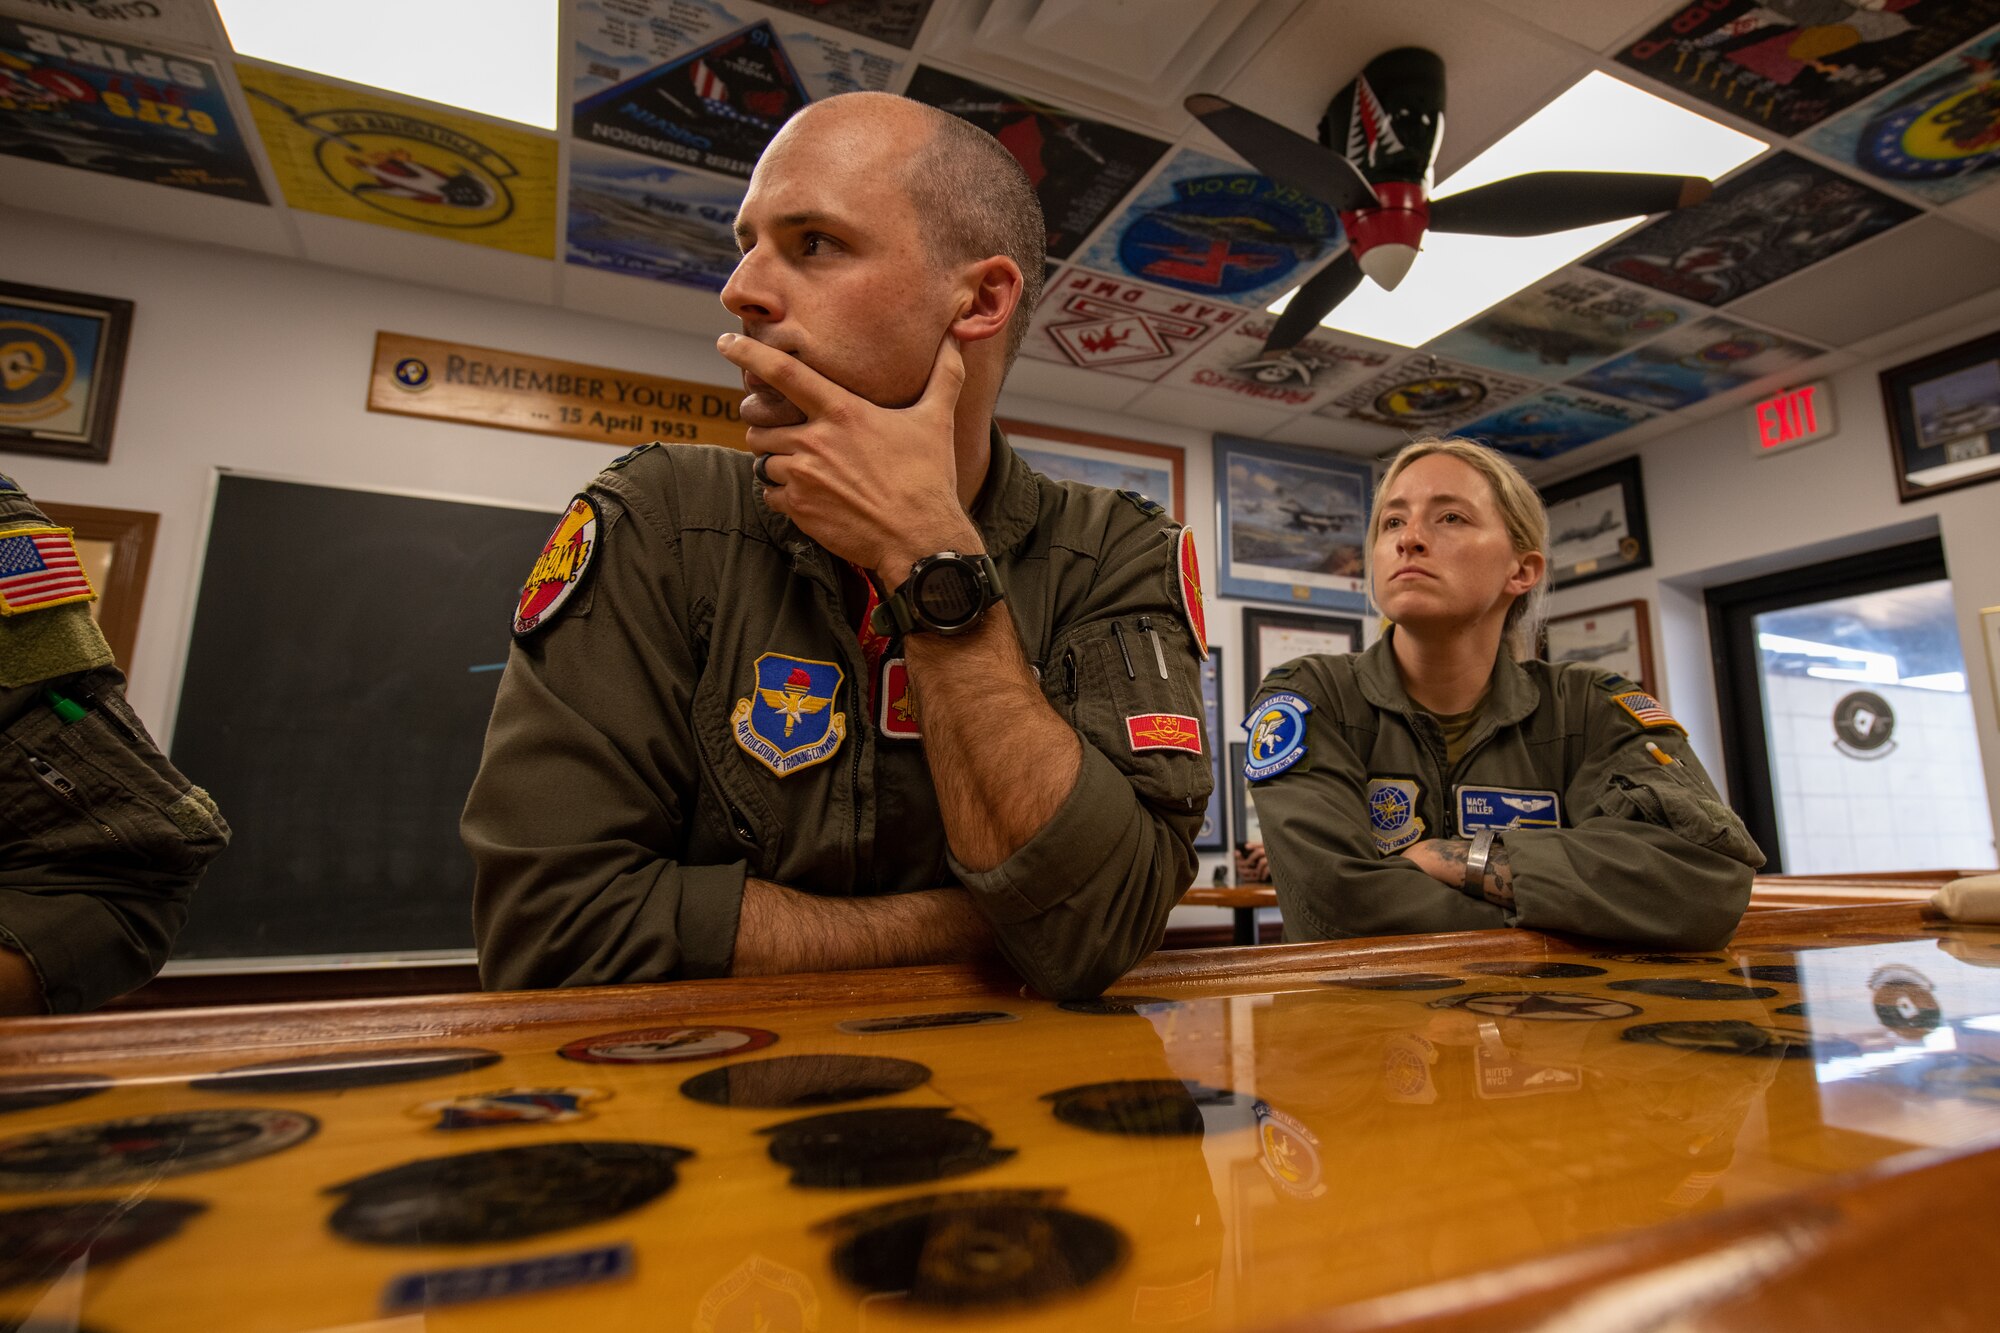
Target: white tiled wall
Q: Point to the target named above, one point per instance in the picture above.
(1920, 807)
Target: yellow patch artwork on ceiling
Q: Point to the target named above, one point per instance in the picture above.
(399, 164)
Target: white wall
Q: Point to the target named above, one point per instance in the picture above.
(261, 364)
(1719, 513)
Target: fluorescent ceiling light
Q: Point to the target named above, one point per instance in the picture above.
(1600, 124)
(496, 57)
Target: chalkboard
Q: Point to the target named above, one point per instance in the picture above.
(346, 649)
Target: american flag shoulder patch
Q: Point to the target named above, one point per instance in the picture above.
(39, 569)
(1645, 709)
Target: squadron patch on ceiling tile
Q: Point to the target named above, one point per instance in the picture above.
(559, 569)
(1185, 586)
(1392, 813)
(1277, 727)
(787, 722)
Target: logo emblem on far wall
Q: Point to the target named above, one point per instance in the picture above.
(1862, 722)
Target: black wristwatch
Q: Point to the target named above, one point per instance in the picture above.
(946, 593)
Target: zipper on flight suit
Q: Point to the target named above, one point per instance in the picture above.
(52, 778)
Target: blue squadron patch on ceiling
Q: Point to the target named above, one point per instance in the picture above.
(1277, 727)
(1392, 813)
(559, 569)
(787, 722)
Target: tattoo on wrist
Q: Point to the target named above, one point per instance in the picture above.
(1499, 886)
(1452, 852)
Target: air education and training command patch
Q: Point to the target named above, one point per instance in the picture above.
(559, 569)
(1277, 727)
(787, 722)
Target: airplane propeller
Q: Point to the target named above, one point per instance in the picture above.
(1372, 165)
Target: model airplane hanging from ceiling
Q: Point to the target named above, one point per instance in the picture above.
(1372, 163)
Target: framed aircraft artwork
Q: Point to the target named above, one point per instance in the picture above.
(1597, 525)
(1616, 638)
(1293, 523)
(1944, 418)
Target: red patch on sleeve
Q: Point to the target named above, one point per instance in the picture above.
(1164, 731)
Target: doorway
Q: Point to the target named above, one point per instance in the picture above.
(1848, 732)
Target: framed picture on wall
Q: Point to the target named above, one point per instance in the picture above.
(1272, 637)
(1244, 809)
(116, 547)
(1156, 471)
(1213, 836)
(1294, 523)
(1611, 638)
(1944, 418)
(1597, 525)
(62, 355)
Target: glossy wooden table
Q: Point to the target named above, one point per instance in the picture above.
(1482, 1131)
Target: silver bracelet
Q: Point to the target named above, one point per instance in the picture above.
(1476, 857)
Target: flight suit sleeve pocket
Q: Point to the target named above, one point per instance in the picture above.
(1147, 724)
(87, 791)
(1672, 802)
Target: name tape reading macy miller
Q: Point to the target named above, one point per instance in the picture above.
(421, 377)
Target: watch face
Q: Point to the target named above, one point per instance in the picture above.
(947, 593)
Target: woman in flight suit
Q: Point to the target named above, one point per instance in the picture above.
(1445, 780)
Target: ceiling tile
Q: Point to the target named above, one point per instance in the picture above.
(1981, 209)
(666, 305)
(1354, 438)
(367, 248)
(1497, 72)
(182, 214)
(1181, 407)
(1597, 24)
(1880, 283)
(1066, 384)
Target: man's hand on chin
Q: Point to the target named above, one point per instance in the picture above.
(877, 486)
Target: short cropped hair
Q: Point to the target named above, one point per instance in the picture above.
(974, 202)
(1520, 509)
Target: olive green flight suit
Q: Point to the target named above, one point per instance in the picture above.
(618, 807)
(101, 838)
(1606, 840)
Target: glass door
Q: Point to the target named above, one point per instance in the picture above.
(1849, 733)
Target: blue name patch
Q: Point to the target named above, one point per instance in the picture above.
(1277, 728)
(1505, 808)
(486, 1282)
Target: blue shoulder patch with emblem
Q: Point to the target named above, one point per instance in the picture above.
(1277, 730)
(1149, 507)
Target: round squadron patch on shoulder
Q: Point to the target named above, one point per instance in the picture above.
(560, 568)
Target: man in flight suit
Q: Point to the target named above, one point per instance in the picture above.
(101, 839)
(876, 693)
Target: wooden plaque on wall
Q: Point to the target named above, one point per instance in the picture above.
(483, 386)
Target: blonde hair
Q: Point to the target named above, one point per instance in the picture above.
(1520, 509)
